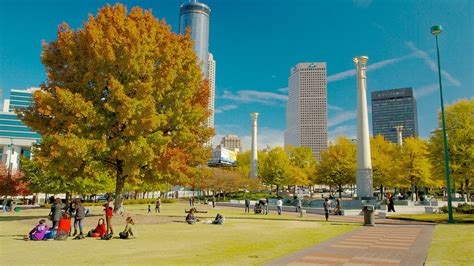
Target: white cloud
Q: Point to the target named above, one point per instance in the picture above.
(284, 90)
(362, 3)
(426, 90)
(349, 131)
(341, 118)
(370, 67)
(431, 63)
(224, 108)
(335, 108)
(249, 96)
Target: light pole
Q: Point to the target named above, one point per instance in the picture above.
(436, 30)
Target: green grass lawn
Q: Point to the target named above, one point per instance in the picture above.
(165, 239)
(452, 244)
(434, 217)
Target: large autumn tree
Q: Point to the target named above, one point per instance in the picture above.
(124, 96)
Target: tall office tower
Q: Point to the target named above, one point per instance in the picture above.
(393, 108)
(232, 142)
(15, 138)
(196, 16)
(306, 110)
(212, 88)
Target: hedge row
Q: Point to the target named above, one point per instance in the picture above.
(462, 208)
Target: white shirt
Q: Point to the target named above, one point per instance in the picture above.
(279, 203)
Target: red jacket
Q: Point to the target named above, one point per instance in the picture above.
(64, 225)
(101, 230)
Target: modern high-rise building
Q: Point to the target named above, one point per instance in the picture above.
(306, 110)
(212, 89)
(195, 15)
(232, 142)
(392, 108)
(15, 138)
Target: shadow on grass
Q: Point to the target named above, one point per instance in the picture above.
(21, 218)
(29, 217)
(272, 219)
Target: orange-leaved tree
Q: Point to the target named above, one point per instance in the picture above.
(124, 96)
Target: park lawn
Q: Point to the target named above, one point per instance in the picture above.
(452, 244)
(434, 217)
(244, 239)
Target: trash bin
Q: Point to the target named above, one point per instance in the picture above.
(369, 215)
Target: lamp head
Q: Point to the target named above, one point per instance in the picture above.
(437, 29)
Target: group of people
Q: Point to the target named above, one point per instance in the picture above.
(157, 206)
(61, 215)
(192, 219)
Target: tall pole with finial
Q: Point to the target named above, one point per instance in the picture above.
(254, 158)
(364, 163)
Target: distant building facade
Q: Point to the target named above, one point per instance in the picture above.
(232, 142)
(392, 108)
(306, 109)
(16, 139)
(212, 90)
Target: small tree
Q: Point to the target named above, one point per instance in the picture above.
(338, 164)
(460, 133)
(11, 184)
(383, 154)
(414, 165)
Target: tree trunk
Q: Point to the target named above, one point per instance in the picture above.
(381, 191)
(416, 193)
(462, 190)
(119, 184)
(277, 188)
(468, 193)
(340, 191)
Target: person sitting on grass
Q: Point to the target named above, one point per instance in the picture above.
(64, 227)
(100, 230)
(39, 232)
(190, 219)
(219, 219)
(128, 231)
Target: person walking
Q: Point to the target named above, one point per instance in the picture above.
(326, 206)
(79, 216)
(338, 207)
(149, 208)
(267, 206)
(213, 201)
(299, 205)
(109, 209)
(391, 203)
(56, 212)
(247, 206)
(191, 202)
(158, 205)
(279, 206)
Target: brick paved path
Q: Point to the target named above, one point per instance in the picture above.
(404, 244)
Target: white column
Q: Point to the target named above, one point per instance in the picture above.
(364, 163)
(254, 148)
(399, 135)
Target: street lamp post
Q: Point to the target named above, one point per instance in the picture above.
(436, 30)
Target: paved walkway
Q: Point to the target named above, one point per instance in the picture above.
(398, 244)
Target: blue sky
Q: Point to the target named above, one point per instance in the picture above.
(256, 42)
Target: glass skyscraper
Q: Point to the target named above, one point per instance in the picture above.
(196, 16)
(15, 138)
(392, 108)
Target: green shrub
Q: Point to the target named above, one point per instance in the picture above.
(465, 208)
(248, 195)
(462, 208)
